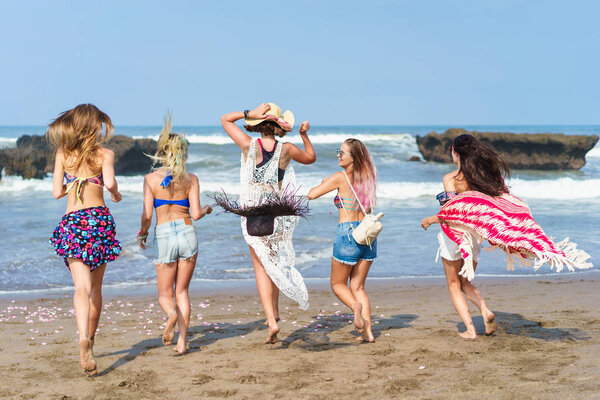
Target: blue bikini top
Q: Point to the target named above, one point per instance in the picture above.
(160, 202)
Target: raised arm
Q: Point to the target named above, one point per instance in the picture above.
(240, 137)
(306, 156)
(58, 188)
(108, 174)
(147, 210)
(327, 185)
(196, 209)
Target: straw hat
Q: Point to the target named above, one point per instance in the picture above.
(285, 120)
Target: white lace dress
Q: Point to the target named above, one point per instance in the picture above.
(276, 251)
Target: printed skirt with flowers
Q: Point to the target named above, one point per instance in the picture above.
(88, 235)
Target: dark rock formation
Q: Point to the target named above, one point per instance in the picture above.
(34, 156)
(542, 151)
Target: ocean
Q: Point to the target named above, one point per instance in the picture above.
(564, 203)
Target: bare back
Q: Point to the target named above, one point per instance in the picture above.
(90, 194)
(175, 191)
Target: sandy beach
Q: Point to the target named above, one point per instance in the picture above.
(547, 345)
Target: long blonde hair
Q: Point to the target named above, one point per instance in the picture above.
(79, 133)
(171, 152)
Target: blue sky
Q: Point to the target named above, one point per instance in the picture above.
(332, 62)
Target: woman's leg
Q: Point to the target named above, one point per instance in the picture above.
(95, 301)
(82, 279)
(473, 294)
(358, 277)
(165, 279)
(185, 271)
(265, 292)
(340, 273)
(451, 268)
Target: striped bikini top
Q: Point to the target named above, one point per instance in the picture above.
(72, 181)
(161, 202)
(344, 202)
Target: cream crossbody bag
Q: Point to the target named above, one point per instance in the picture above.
(366, 232)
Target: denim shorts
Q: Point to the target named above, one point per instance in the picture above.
(174, 240)
(345, 248)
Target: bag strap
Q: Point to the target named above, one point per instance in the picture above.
(355, 196)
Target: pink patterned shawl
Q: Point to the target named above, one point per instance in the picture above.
(505, 221)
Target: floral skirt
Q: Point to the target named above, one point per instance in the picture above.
(88, 235)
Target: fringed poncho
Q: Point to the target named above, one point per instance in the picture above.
(506, 223)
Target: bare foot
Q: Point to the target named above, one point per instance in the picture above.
(273, 331)
(276, 320)
(359, 322)
(169, 331)
(490, 323)
(86, 357)
(467, 335)
(367, 335)
(181, 346)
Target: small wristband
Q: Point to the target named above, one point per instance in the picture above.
(142, 237)
(246, 113)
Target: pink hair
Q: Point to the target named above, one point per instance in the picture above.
(364, 175)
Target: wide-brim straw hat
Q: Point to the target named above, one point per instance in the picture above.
(285, 120)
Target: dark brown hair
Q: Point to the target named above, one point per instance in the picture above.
(481, 165)
(268, 128)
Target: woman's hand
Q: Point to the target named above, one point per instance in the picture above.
(259, 112)
(142, 243)
(426, 222)
(304, 127)
(116, 197)
(207, 210)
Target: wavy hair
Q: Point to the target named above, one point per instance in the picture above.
(171, 152)
(268, 128)
(79, 133)
(481, 165)
(364, 173)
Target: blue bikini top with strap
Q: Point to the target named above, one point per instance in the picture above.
(161, 202)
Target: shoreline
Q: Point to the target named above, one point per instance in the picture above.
(213, 287)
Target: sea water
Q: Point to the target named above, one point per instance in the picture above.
(564, 203)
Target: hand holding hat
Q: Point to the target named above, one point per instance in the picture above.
(271, 112)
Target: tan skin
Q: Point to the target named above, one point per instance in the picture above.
(267, 290)
(87, 299)
(352, 293)
(177, 274)
(455, 182)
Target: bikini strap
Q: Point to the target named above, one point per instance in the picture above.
(355, 196)
(78, 182)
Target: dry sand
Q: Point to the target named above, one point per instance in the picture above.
(547, 346)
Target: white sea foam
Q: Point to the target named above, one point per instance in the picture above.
(317, 138)
(594, 152)
(565, 188)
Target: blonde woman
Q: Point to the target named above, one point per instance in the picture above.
(85, 237)
(351, 261)
(175, 194)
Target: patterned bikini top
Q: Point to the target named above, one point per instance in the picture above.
(72, 181)
(445, 197)
(344, 202)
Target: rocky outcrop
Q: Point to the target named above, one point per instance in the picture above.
(33, 156)
(541, 151)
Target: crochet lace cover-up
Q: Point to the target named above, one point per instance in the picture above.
(276, 251)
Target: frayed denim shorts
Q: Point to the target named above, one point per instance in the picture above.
(345, 248)
(174, 240)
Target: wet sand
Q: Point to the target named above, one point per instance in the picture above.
(547, 345)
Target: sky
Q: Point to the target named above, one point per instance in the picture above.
(480, 62)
